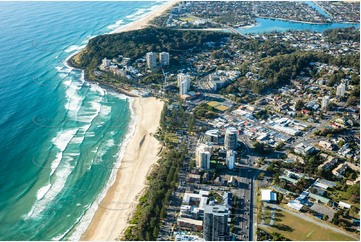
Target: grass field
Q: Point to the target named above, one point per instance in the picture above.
(295, 228)
(187, 19)
(267, 215)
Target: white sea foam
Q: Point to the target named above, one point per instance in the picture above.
(74, 99)
(98, 89)
(90, 113)
(84, 221)
(63, 138)
(61, 141)
(87, 217)
(74, 48)
(67, 82)
(108, 144)
(58, 184)
(42, 191)
(78, 140)
(56, 162)
(115, 25)
(119, 95)
(137, 14)
(105, 110)
(59, 68)
(62, 75)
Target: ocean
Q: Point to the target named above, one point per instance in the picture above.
(61, 138)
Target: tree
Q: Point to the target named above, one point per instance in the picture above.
(191, 121)
(299, 105)
(259, 147)
(261, 175)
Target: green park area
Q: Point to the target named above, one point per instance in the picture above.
(187, 19)
(296, 228)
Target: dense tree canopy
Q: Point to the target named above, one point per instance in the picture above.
(135, 44)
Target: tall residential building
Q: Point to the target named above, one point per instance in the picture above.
(183, 88)
(164, 58)
(325, 102)
(341, 90)
(230, 139)
(151, 60)
(215, 223)
(203, 156)
(230, 159)
(182, 77)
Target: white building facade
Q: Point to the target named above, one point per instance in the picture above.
(164, 58)
(151, 59)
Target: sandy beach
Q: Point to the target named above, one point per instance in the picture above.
(110, 220)
(144, 21)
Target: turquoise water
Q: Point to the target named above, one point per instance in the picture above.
(320, 10)
(60, 137)
(268, 25)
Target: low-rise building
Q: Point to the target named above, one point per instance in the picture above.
(325, 144)
(216, 82)
(331, 161)
(339, 170)
(267, 195)
(190, 224)
(193, 178)
(212, 136)
(303, 149)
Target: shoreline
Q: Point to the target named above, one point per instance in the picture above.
(143, 22)
(140, 153)
(111, 217)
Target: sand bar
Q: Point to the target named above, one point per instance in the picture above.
(110, 219)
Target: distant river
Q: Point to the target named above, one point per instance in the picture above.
(268, 25)
(320, 10)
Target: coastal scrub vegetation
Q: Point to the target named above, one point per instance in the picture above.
(135, 44)
(162, 180)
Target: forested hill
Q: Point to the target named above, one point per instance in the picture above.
(135, 44)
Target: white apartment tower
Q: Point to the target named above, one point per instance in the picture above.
(151, 60)
(182, 77)
(325, 102)
(164, 58)
(203, 156)
(230, 159)
(230, 139)
(183, 83)
(215, 223)
(183, 89)
(341, 90)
